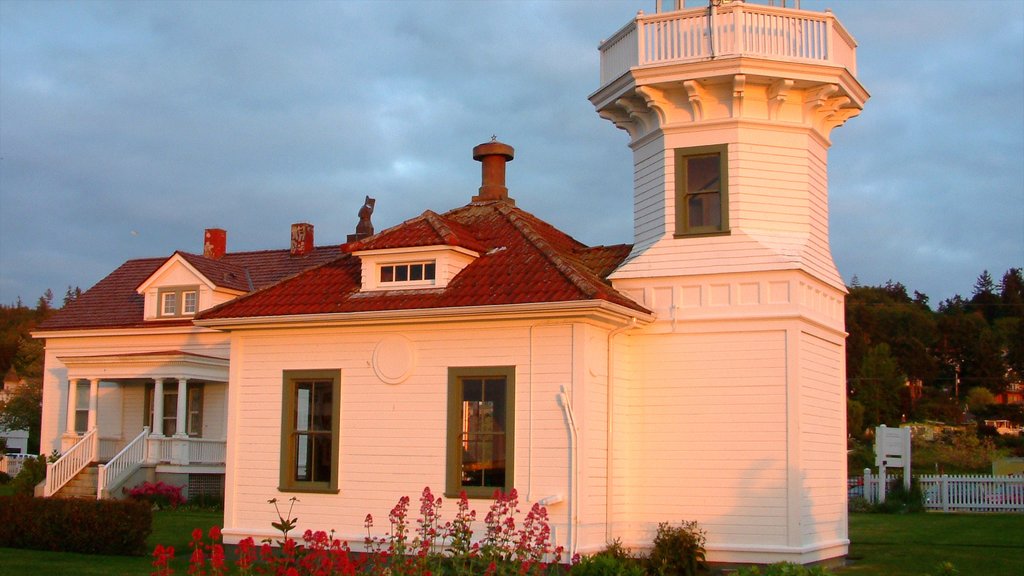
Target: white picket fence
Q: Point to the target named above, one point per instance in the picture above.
(953, 493)
(11, 464)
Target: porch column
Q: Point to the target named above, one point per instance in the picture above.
(158, 407)
(181, 425)
(156, 425)
(180, 443)
(69, 425)
(70, 436)
(94, 396)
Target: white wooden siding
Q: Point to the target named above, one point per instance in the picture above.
(393, 435)
(822, 439)
(708, 438)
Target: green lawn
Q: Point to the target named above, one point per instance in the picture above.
(883, 545)
(914, 544)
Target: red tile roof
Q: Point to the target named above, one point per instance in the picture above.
(114, 303)
(523, 260)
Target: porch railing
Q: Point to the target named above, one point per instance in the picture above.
(735, 30)
(71, 463)
(202, 451)
(122, 465)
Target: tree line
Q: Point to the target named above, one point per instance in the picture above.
(905, 361)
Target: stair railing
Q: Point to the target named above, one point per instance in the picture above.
(122, 465)
(71, 463)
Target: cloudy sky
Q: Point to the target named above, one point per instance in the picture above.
(127, 128)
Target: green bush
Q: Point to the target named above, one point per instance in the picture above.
(33, 471)
(614, 560)
(5, 478)
(602, 565)
(677, 550)
(783, 569)
(86, 526)
(901, 501)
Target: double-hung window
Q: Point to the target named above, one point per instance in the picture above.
(81, 406)
(310, 425)
(481, 426)
(701, 190)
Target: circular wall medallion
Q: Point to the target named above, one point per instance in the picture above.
(394, 359)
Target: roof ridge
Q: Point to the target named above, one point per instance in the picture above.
(545, 248)
(437, 223)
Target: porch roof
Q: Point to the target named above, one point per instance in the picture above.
(159, 364)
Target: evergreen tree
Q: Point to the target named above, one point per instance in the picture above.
(878, 387)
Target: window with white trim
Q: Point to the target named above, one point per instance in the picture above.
(177, 301)
(408, 273)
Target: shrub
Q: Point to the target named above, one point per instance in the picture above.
(607, 565)
(5, 478)
(33, 471)
(158, 495)
(86, 526)
(899, 500)
(677, 550)
(783, 569)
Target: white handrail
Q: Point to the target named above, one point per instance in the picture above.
(124, 463)
(71, 463)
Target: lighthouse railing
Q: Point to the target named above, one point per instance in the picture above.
(737, 29)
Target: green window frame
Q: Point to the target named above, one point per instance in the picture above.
(481, 431)
(702, 190)
(310, 431)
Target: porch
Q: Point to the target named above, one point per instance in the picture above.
(160, 410)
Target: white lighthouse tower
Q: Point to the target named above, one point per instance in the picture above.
(733, 413)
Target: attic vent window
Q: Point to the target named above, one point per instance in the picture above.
(408, 273)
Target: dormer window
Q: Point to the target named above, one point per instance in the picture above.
(178, 301)
(412, 273)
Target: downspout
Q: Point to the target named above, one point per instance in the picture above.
(609, 476)
(563, 401)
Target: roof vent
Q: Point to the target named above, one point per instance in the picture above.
(302, 239)
(493, 156)
(215, 243)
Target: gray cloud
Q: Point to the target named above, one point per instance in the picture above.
(128, 128)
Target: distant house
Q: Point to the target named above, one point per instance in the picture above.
(1014, 394)
(695, 374)
(15, 440)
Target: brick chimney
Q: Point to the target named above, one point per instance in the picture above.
(302, 239)
(215, 243)
(493, 156)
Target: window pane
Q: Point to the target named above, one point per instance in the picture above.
(704, 210)
(402, 273)
(428, 271)
(188, 303)
(313, 429)
(387, 273)
(170, 306)
(483, 432)
(416, 272)
(702, 173)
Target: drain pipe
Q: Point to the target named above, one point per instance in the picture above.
(563, 401)
(609, 430)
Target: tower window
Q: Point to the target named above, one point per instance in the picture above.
(701, 190)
